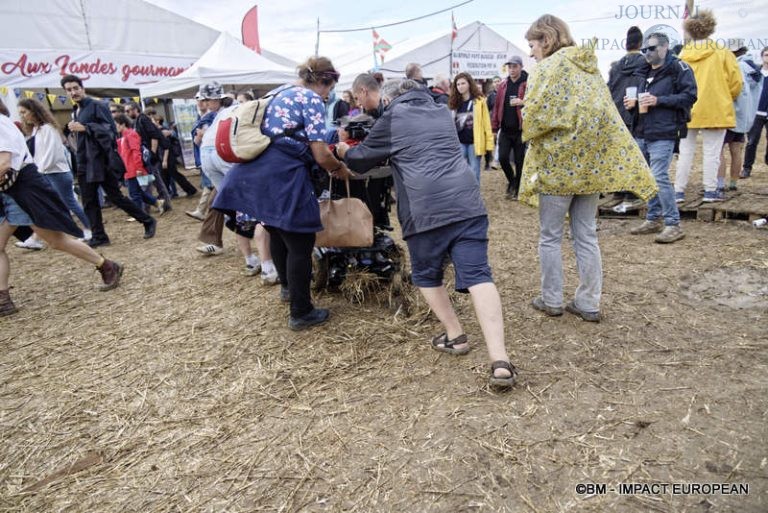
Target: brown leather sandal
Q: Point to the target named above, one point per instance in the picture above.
(442, 344)
(503, 382)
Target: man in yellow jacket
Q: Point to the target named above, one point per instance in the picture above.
(719, 83)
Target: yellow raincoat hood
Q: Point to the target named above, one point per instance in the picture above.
(578, 143)
(718, 80)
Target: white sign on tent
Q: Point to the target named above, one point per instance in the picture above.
(478, 64)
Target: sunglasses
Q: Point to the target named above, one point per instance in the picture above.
(647, 49)
(113, 111)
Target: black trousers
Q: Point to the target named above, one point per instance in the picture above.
(752, 141)
(171, 174)
(511, 147)
(292, 255)
(90, 194)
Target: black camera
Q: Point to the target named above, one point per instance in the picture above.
(358, 130)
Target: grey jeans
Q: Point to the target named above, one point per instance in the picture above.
(583, 212)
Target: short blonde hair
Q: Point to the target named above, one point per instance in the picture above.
(553, 33)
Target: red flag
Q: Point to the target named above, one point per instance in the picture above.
(250, 29)
(454, 30)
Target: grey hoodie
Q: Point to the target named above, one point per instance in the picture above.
(434, 183)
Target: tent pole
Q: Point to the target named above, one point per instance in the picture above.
(317, 40)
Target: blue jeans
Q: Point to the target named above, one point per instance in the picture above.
(468, 151)
(64, 184)
(658, 154)
(138, 195)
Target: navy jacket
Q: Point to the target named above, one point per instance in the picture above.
(674, 87)
(97, 146)
(435, 185)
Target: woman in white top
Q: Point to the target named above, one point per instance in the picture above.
(46, 145)
(28, 200)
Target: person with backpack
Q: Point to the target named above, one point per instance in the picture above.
(621, 76)
(276, 188)
(129, 148)
(153, 140)
(667, 91)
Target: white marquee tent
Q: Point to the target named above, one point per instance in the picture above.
(227, 61)
(112, 44)
(477, 49)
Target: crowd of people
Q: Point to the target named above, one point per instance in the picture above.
(561, 137)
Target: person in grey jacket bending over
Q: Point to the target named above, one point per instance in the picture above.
(439, 208)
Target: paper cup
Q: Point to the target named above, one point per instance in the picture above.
(643, 108)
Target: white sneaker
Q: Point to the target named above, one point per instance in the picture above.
(270, 278)
(210, 249)
(31, 243)
(87, 235)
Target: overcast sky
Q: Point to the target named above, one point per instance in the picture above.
(288, 27)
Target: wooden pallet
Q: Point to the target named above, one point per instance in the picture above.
(739, 205)
(744, 206)
(605, 210)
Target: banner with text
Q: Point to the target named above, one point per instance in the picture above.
(40, 69)
(478, 64)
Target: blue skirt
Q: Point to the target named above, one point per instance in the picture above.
(42, 203)
(275, 188)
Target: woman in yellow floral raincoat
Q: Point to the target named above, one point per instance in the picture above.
(578, 147)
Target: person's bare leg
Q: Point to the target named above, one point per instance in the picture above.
(261, 238)
(487, 303)
(244, 243)
(438, 300)
(6, 230)
(63, 242)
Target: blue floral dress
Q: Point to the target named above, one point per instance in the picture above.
(276, 188)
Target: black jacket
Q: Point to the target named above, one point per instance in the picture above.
(623, 75)
(435, 185)
(97, 146)
(674, 87)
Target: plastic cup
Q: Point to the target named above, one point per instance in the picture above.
(643, 108)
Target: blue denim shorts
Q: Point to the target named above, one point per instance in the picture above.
(464, 242)
(13, 213)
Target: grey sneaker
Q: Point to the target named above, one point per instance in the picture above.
(670, 234)
(585, 316)
(552, 311)
(647, 227)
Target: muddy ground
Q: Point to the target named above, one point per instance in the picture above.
(183, 390)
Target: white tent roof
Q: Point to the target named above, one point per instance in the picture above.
(227, 61)
(434, 57)
(115, 43)
(111, 44)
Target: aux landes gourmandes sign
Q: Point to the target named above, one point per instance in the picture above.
(97, 69)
